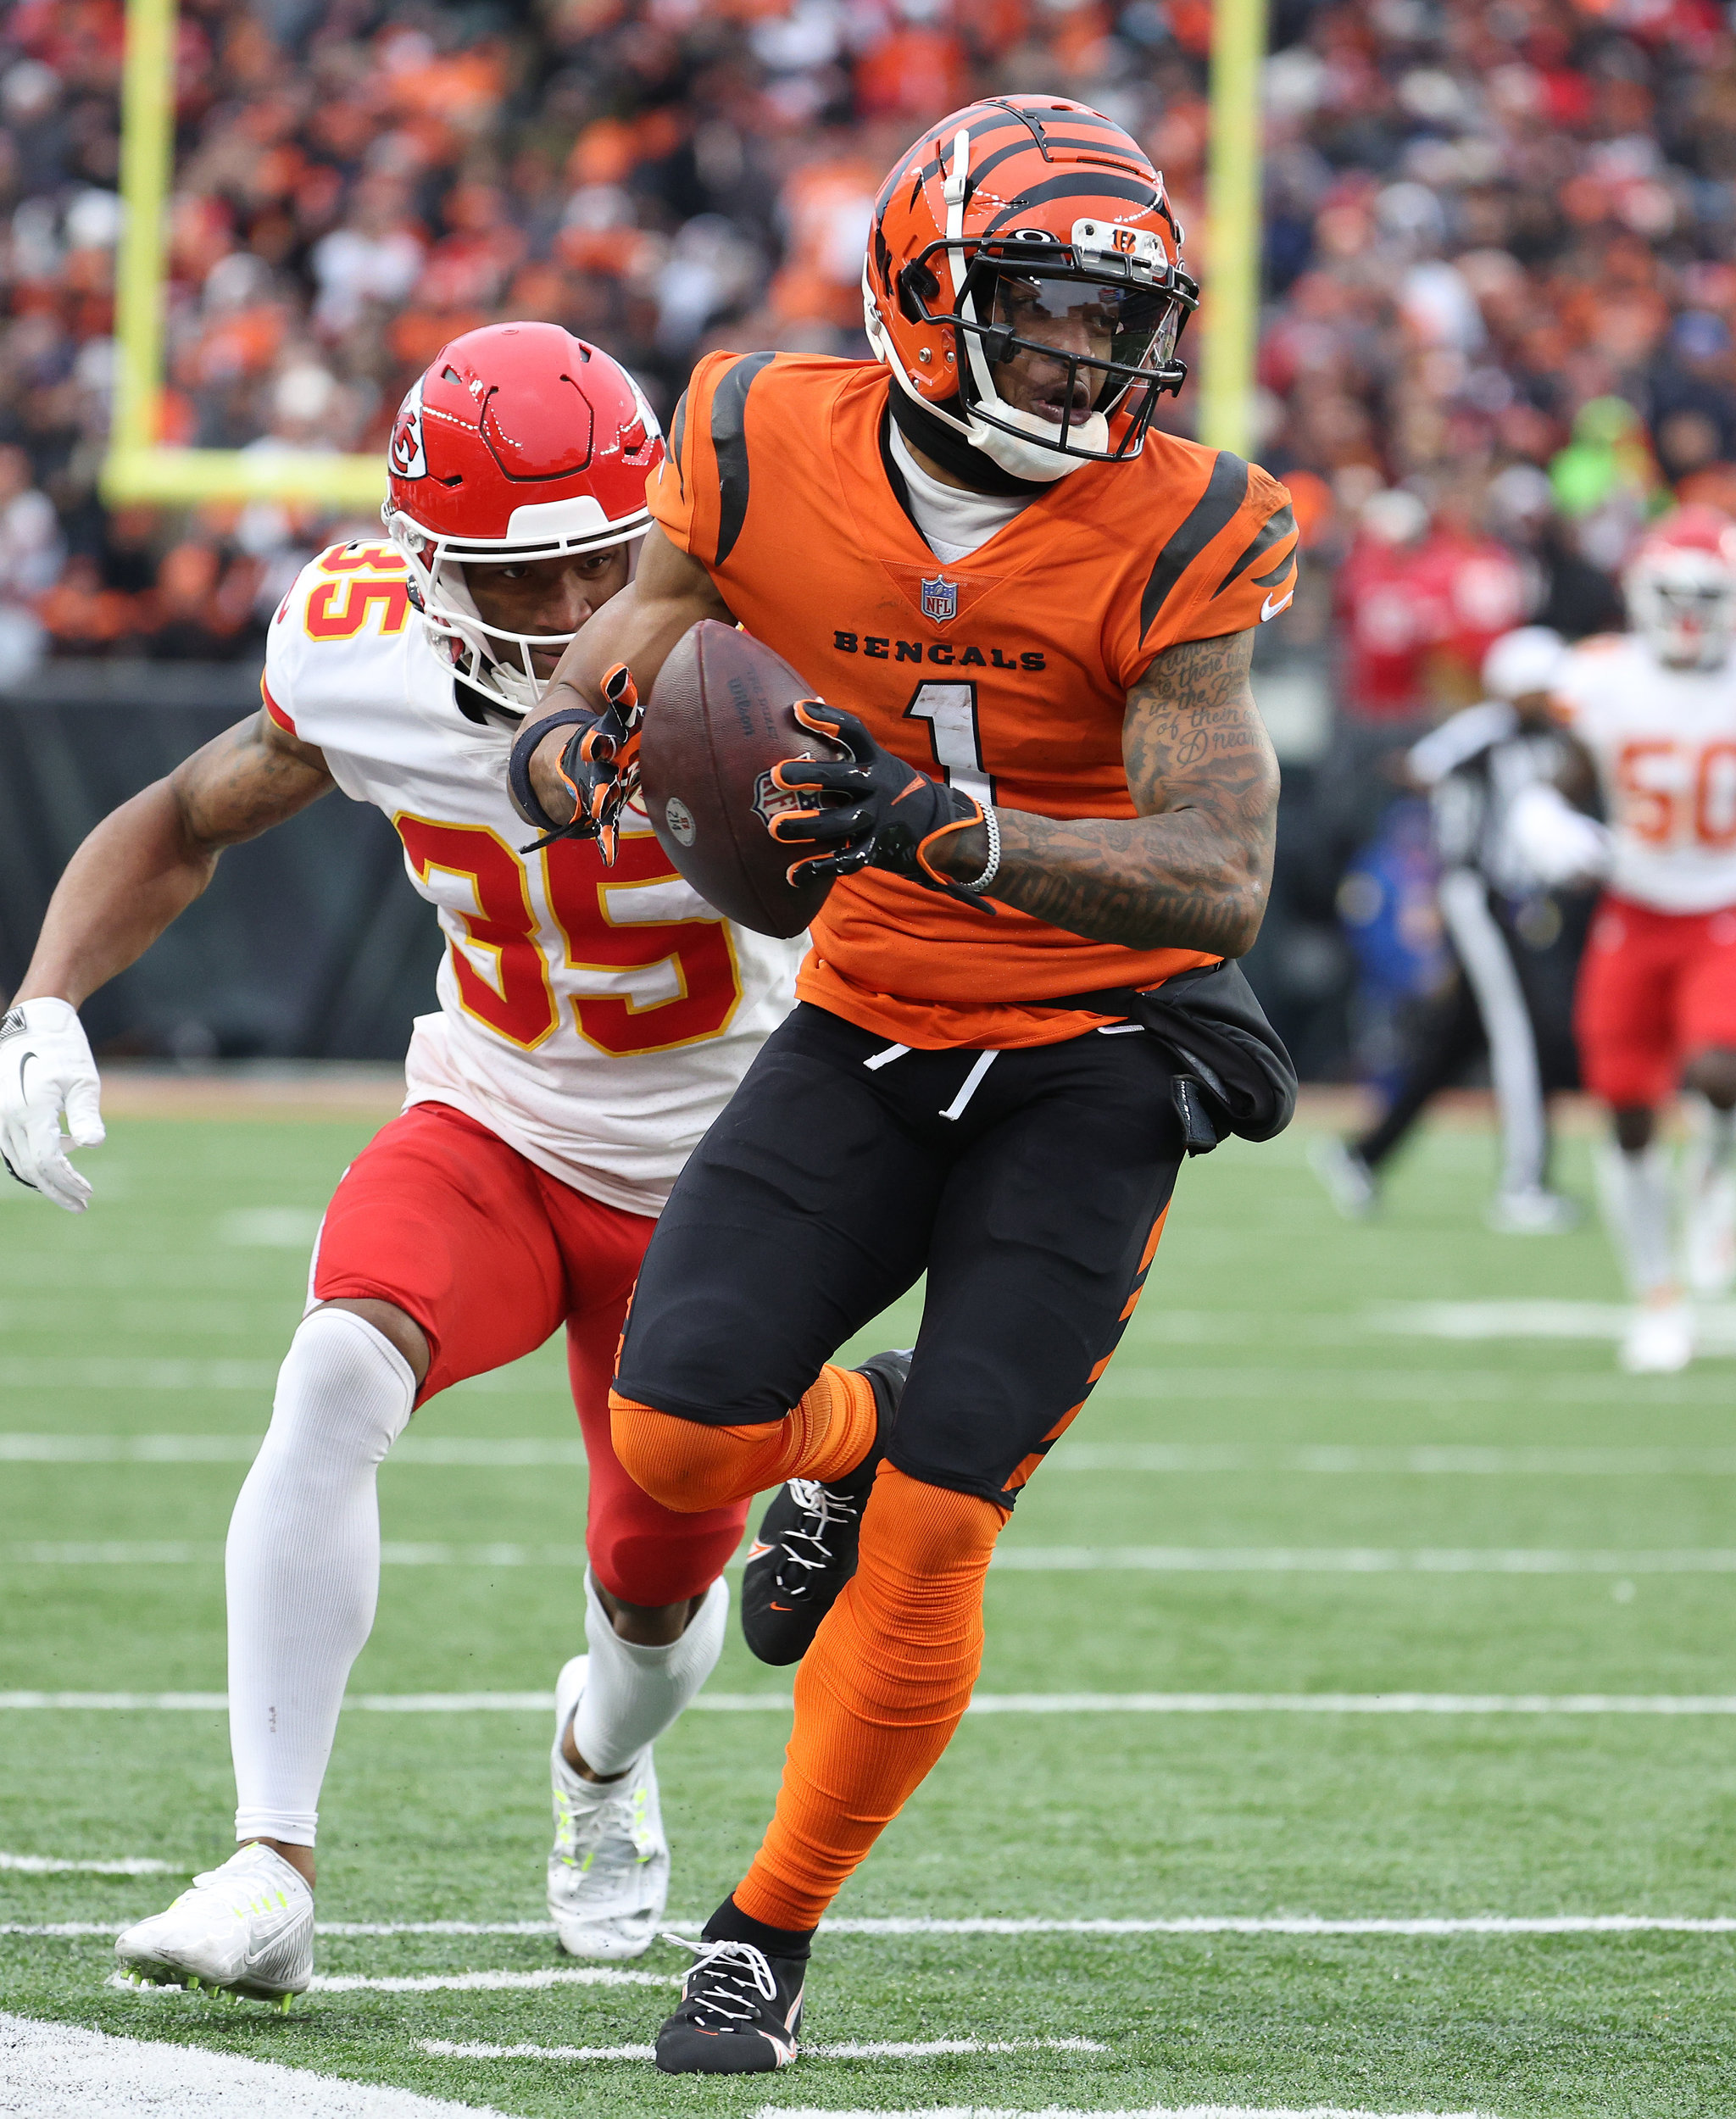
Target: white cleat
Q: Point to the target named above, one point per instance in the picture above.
(608, 1869)
(1708, 1235)
(1349, 1182)
(1659, 1342)
(1531, 1211)
(246, 1928)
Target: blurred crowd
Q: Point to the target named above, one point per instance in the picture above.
(1501, 261)
(1500, 278)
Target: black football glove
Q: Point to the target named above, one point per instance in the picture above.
(600, 765)
(868, 809)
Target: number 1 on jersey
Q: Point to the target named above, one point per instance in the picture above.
(950, 711)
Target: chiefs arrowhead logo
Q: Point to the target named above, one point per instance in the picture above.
(407, 456)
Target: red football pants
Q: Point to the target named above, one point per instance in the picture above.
(490, 1255)
(1655, 990)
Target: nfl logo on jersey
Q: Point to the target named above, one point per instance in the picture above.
(940, 600)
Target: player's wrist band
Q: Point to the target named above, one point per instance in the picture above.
(991, 868)
(518, 769)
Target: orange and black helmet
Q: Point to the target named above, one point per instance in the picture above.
(1036, 205)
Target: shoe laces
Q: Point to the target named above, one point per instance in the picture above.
(586, 1831)
(806, 1547)
(727, 1983)
(245, 1892)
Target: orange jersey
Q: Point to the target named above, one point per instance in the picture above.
(1008, 671)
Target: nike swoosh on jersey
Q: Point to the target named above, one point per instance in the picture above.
(1270, 610)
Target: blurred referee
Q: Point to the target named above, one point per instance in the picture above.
(1476, 767)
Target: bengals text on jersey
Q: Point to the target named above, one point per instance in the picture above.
(1007, 672)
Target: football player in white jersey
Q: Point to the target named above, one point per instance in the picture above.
(1654, 709)
(592, 1021)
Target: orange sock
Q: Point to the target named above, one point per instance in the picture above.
(879, 1694)
(688, 1468)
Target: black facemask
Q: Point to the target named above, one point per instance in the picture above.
(948, 448)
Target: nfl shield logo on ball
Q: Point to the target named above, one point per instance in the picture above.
(679, 819)
(770, 800)
(940, 600)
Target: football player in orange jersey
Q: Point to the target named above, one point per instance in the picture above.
(588, 1031)
(1033, 613)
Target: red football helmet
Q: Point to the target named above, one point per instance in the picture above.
(1681, 588)
(1028, 211)
(520, 441)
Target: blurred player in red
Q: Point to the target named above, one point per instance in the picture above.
(1655, 712)
(1033, 613)
(592, 1021)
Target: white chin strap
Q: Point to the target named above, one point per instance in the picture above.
(1030, 459)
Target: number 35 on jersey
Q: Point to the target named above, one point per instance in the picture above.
(627, 956)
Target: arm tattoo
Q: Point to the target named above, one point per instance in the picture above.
(1194, 869)
(242, 783)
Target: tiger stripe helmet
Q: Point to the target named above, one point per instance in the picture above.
(1051, 199)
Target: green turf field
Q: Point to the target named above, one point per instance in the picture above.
(1283, 1487)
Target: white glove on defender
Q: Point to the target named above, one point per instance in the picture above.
(46, 1067)
(1559, 843)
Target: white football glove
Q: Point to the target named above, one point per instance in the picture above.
(1557, 842)
(46, 1067)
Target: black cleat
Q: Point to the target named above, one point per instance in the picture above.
(740, 2011)
(806, 1548)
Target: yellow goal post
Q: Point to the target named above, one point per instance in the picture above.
(1229, 310)
(137, 467)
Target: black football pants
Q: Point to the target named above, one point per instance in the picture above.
(1028, 1184)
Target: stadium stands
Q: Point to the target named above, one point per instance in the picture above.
(1501, 235)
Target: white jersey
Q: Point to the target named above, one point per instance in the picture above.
(596, 1019)
(1665, 745)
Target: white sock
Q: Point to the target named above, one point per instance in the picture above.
(303, 1565)
(1712, 1138)
(1635, 1192)
(631, 1693)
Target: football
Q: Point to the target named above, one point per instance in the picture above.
(718, 720)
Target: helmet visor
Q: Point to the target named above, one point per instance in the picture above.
(1109, 326)
(1060, 340)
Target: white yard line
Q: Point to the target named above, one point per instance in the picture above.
(123, 1866)
(1663, 1704)
(1422, 1461)
(1715, 1323)
(506, 1453)
(1348, 1704)
(56, 2071)
(493, 1982)
(473, 1452)
(1056, 2111)
(449, 1982)
(866, 2049)
(1286, 1560)
(1014, 1559)
(1297, 1383)
(123, 1373)
(926, 1924)
(1299, 1924)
